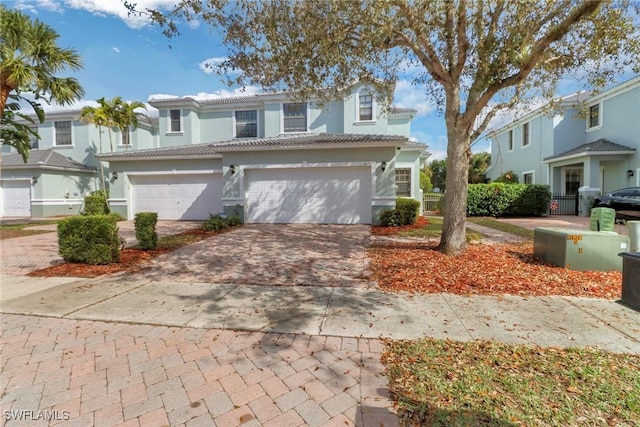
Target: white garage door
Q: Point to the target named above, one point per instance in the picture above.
(318, 195)
(186, 197)
(16, 198)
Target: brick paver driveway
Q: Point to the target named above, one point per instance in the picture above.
(308, 255)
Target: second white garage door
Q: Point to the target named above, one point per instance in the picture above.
(16, 198)
(336, 195)
(186, 197)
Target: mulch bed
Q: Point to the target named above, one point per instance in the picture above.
(482, 269)
(392, 231)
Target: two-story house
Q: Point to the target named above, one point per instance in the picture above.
(265, 157)
(588, 142)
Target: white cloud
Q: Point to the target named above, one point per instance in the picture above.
(212, 65)
(203, 96)
(115, 49)
(101, 8)
(409, 96)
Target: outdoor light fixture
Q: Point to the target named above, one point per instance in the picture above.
(383, 165)
(629, 173)
(232, 168)
(34, 180)
(114, 175)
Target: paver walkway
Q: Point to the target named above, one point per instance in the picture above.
(108, 374)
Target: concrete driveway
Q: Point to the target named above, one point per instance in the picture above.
(283, 255)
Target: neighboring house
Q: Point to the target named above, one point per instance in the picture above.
(567, 151)
(264, 157)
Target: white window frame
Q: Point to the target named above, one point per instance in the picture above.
(235, 129)
(129, 132)
(282, 131)
(55, 133)
(36, 141)
(526, 141)
(410, 169)
(588, 124)
(363, 91)
(510, 144)
(170, 122)
(533, 176)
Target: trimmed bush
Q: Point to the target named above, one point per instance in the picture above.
(96, 203)
(234, 221)
(117, 216)
(145, 224)
(405, 213)
(215, 223)
(89, 239)
(500, 199)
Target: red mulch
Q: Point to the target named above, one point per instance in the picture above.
(484, 270)
(390, 231)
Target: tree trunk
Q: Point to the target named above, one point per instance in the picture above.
(453, 239)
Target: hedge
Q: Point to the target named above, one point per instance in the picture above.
(96, 203)
(405, 213)
(500, 199)
(145, 225)
(89, 239)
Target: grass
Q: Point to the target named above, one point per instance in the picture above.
(434, 229)
(503, 226)
(22, 230)
(443, 383)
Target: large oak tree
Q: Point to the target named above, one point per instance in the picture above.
(473, 58)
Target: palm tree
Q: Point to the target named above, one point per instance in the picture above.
(125, 117)
(101, 117)
(30, 59)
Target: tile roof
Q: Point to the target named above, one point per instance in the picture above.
(601, 146)
(196, 151)
(47, 159)
(284, 141)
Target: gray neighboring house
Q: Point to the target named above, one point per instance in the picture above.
(568, 151)
(265, 157)
(47, 172)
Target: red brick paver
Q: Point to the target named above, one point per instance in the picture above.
(186, 376)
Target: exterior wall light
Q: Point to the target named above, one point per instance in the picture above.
(34, 180)
(232, 168)
(114, 175)
(629, 174)
(383, 165)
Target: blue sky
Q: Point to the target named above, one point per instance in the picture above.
(125, 56)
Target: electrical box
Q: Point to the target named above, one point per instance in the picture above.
(631, 279)
(580, 249)
(603, 219)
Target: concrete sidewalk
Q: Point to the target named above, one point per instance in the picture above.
(329, 311)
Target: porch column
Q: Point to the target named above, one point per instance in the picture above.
(592, 173)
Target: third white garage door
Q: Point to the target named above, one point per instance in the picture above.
(186, 197)
(321, 195)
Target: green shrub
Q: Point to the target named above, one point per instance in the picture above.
(215, 223)
(405, 213)
(96, 203)
(509, 177)
(409, 210)
(500, 199)
(89, 239)
(390, 218)
(117, 216)
(145, 224)
(234, 221)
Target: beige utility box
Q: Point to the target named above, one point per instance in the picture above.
(580, 249)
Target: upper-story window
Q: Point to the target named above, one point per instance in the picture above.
(526, 135)
(510, 140)
(403, 182)
(34, 141)
(594, 116)
(126, 137)
(527, 177)
(175, 122)
(247, 124)
(295, 117)
(365, 107)
(63, 133)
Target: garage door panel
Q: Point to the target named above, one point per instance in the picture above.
(16, 198)
(186, 197)
(310, 195)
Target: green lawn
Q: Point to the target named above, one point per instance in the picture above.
(434, 229)
(447, 383)
(21, 230)
(503, 226)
